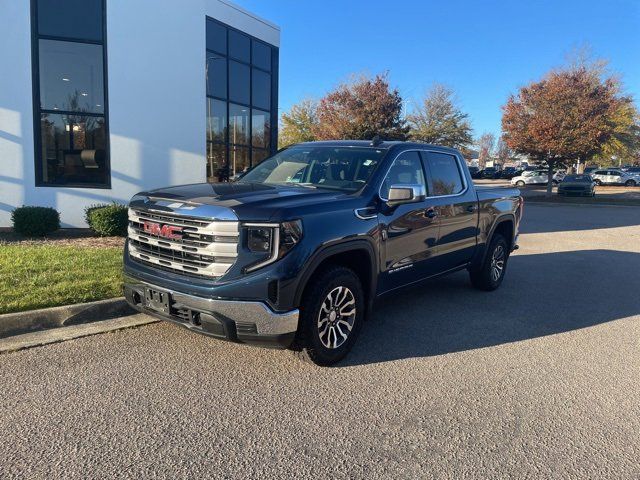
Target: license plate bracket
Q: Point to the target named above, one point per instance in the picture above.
(157, 300)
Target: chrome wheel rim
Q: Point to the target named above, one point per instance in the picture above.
(336, 317)
(497, 263)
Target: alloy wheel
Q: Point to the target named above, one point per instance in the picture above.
(336, 317)
(497, 263)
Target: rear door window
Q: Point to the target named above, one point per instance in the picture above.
(445, 177)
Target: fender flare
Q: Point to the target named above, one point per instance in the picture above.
(326, 251)
(505, 217)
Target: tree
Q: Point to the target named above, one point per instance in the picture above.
(568, 115)
(439, 121)
(299, 123)
(503, 152)
(485, 147)
(624, 144)
(360, 110)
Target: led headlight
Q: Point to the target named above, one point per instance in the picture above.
(274, 240)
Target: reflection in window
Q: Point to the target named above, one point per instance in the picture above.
(238, 159)
(406, 170)
(259, 155)
(71, 76)
(445, 174)
(71, 129)
(240, 113)
(216, 120)
(216, 75)
(239, 82)
(73, 149)
(217, 167)
(238, 124)
(261, 89)
(260, 128)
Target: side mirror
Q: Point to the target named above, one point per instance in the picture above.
(406, 193)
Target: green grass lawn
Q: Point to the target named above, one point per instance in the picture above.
(40, 276)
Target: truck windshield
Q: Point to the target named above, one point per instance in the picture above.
(336, 168)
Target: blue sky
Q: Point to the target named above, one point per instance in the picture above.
(484, 50)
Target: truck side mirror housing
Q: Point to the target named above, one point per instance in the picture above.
(405, 193)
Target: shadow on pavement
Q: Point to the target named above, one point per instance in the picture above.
(542, 294)
(541, 218)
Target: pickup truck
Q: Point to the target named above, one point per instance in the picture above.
(294, 254)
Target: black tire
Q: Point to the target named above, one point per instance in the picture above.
(520, 183)
(483, 277)
(598, 181)
(630, 183)
(311, 342)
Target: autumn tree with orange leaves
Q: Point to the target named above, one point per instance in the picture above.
(568, 116)
(360, 110)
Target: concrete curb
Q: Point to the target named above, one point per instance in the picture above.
(45, 337)
(23, 322)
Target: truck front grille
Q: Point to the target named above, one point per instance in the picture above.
(200, 247)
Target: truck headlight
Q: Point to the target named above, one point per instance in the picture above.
(274, 240)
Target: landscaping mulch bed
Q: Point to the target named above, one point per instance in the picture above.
(75, 237)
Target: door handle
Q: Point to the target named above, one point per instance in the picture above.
(431, 213)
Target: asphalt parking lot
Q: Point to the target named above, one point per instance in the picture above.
(538, 379)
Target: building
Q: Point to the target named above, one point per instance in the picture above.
(100, 99)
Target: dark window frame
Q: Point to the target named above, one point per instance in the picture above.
(273, 110)
(37, 111)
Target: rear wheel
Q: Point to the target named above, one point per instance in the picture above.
(598, 182)
(490, 274)
(520, 183)
(630, 183)
(332, 313)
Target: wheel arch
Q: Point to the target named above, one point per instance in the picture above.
(358, 255)
(506, 224)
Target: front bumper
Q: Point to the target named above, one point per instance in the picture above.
(234, 320)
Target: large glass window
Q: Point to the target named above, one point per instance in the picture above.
(241, 101)
(406, 169)
(69, 94)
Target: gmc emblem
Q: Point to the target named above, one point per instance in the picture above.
(166, 231)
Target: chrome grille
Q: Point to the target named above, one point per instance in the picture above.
(206, 248)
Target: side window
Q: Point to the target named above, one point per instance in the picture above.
(407, 169)
(446, 178)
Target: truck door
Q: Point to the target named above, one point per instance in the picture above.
(409, 231)
(456, 205)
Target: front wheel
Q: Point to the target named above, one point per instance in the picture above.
(630, 183)
(332, 313)
(490, 274)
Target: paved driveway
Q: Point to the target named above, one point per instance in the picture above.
(539, 379)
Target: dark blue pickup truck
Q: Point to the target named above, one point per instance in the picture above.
(294, 254)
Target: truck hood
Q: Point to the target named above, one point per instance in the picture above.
(249, 201)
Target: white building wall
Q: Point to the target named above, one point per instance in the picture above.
(156, 99)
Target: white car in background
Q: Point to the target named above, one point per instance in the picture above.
(610, 176)
(531, 177)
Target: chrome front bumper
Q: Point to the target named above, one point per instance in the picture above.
(241, 321)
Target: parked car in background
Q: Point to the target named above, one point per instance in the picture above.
(581, 185)
(475, 172)
(510, 172)
(632, 170)
(490, 172)
(558, 176)
(531, 177)
(611, 176)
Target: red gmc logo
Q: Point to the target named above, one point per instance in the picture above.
(166, 231)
